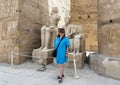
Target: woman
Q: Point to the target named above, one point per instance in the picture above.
(62, 51)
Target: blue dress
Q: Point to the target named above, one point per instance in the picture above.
(61, 51)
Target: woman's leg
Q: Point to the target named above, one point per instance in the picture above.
(61, 69)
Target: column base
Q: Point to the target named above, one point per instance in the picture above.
(107, 66)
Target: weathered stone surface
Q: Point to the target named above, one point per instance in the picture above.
(20, 23)
(109, 27)
(107, 62)
(84, 13)
(42, 56)
(107, 66)
(109, 40)
(82, 46)
(8, 9)
(79, 58)
(63, 6)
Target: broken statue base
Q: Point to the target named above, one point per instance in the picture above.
(42, 56)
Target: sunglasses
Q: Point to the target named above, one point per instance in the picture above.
(62, 32)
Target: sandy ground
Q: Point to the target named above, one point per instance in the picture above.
(27, 74)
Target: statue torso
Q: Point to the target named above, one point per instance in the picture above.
(53, 19)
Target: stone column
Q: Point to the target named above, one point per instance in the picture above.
(107, 62)
(109, 27)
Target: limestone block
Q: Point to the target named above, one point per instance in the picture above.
(107, 66)
(42, 56)
(79, 57)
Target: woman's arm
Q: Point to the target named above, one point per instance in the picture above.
(67, 45)
(67, 52)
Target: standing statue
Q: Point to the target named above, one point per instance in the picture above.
(77, 38)
(50, 29)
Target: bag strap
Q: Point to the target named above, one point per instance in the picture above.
(59, 43)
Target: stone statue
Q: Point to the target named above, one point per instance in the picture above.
(68, 31)
(77, 39)
(73, 32)
(67, 27)
(50, 29)
(71, 35)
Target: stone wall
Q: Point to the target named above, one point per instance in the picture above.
(20, 23)
(84, 13)
(8, 28)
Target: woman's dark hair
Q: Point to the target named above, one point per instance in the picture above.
(61, 30)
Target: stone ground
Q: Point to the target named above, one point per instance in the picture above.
(27, 74)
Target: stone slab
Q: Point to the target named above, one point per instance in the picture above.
(106, 66)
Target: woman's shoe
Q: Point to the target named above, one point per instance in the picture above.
(59, 76)
(60, 80)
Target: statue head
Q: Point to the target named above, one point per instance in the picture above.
(54, 10)
(79, 29)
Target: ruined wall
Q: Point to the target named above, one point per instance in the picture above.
(109, 27)
(84, 13)
(20, 23)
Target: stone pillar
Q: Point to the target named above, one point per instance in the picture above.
(109, 27)
(107, 62)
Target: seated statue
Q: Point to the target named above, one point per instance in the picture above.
(74, 33)
(68, 32)
(50, 30)
(67, 27)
